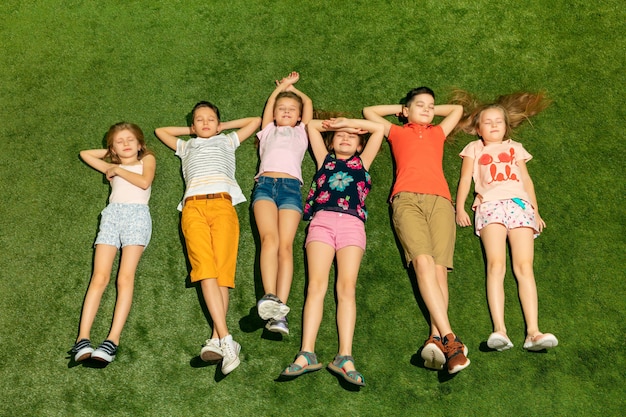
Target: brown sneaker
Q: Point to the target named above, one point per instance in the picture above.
(432, 353)
(455, 352)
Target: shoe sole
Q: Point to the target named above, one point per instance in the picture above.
(210, 356)
(272, 310)
(499, 342)
(459, 368)
(83, 354)
(433, 357)
(102, 356)
(545, 343)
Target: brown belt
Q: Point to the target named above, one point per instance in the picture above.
(225, 196)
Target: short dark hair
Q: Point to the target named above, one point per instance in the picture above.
(416, 92)
(208, 104)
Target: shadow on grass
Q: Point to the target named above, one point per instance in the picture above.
(197, 363)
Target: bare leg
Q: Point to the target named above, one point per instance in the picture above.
(320, 257)
(494, 237)
(103, 263)
(125, 285)
(431, 292)
(266, 216)
(288, 221)
(348, 264)
(522, 254)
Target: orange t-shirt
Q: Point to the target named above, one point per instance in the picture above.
(418, 152)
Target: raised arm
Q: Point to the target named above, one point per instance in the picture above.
(169, 135)
(307, 105)
(452, 113)
(360, 126)
(465, 182)
(94, 158)
(315, 129)
(378, 114)
(244, 127)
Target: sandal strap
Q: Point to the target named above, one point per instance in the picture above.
(356, 375)
(311, 358)
(341, 360)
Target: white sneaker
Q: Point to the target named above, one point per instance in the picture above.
(270, 307)
(230, 352)
(278, 326)
(499, 342)
(211, 351)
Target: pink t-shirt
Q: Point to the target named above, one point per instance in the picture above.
(496, 174)
(282, 149)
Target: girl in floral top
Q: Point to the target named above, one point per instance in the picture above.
(336, 204)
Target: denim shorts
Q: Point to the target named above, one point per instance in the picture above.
(125, 225)
(284, 192)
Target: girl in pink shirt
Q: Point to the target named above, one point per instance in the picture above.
(505, 207)
(277, 198)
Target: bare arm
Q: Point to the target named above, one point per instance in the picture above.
(244, 127)
(143, 180)
(169, 135)
(529, 187)
(93, 158)
(360, 126)
(465, 182)
(378, 114)
(315, 129)
(286, 84)
(452, 113)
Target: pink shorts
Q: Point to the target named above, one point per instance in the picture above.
(507, 213)
(336, 229)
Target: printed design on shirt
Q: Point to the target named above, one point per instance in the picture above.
(334, 187)
(500, 166)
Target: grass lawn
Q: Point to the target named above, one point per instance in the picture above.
(71, 69)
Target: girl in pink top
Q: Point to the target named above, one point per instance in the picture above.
(505, 207)
(125, 225)
(277, 199)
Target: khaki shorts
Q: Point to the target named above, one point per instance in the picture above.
(211, 230)
(425, 225)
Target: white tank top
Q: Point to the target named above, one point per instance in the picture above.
(124, 192)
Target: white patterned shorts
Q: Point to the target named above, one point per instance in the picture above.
(508, 213)
(125, 225)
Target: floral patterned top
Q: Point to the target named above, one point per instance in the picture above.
(339, 185)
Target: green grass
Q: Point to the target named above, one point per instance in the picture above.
(71, 69)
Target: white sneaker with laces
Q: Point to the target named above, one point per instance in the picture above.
(230, 352)
(211, 351)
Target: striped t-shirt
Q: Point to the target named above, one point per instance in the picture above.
(209, 166)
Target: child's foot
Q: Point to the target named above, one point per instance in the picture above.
(279, 325)
(344, 367)
(432, 353)
(540, 341)
(82, 350)
(105, 352)
(456, 353)
(230, 351)
(499, 341)
(303, 363)
(211, 351)
(270, 307)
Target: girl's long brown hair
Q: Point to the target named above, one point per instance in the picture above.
(517, 108)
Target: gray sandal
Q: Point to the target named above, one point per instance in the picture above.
(295, 370)
(353, 377)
